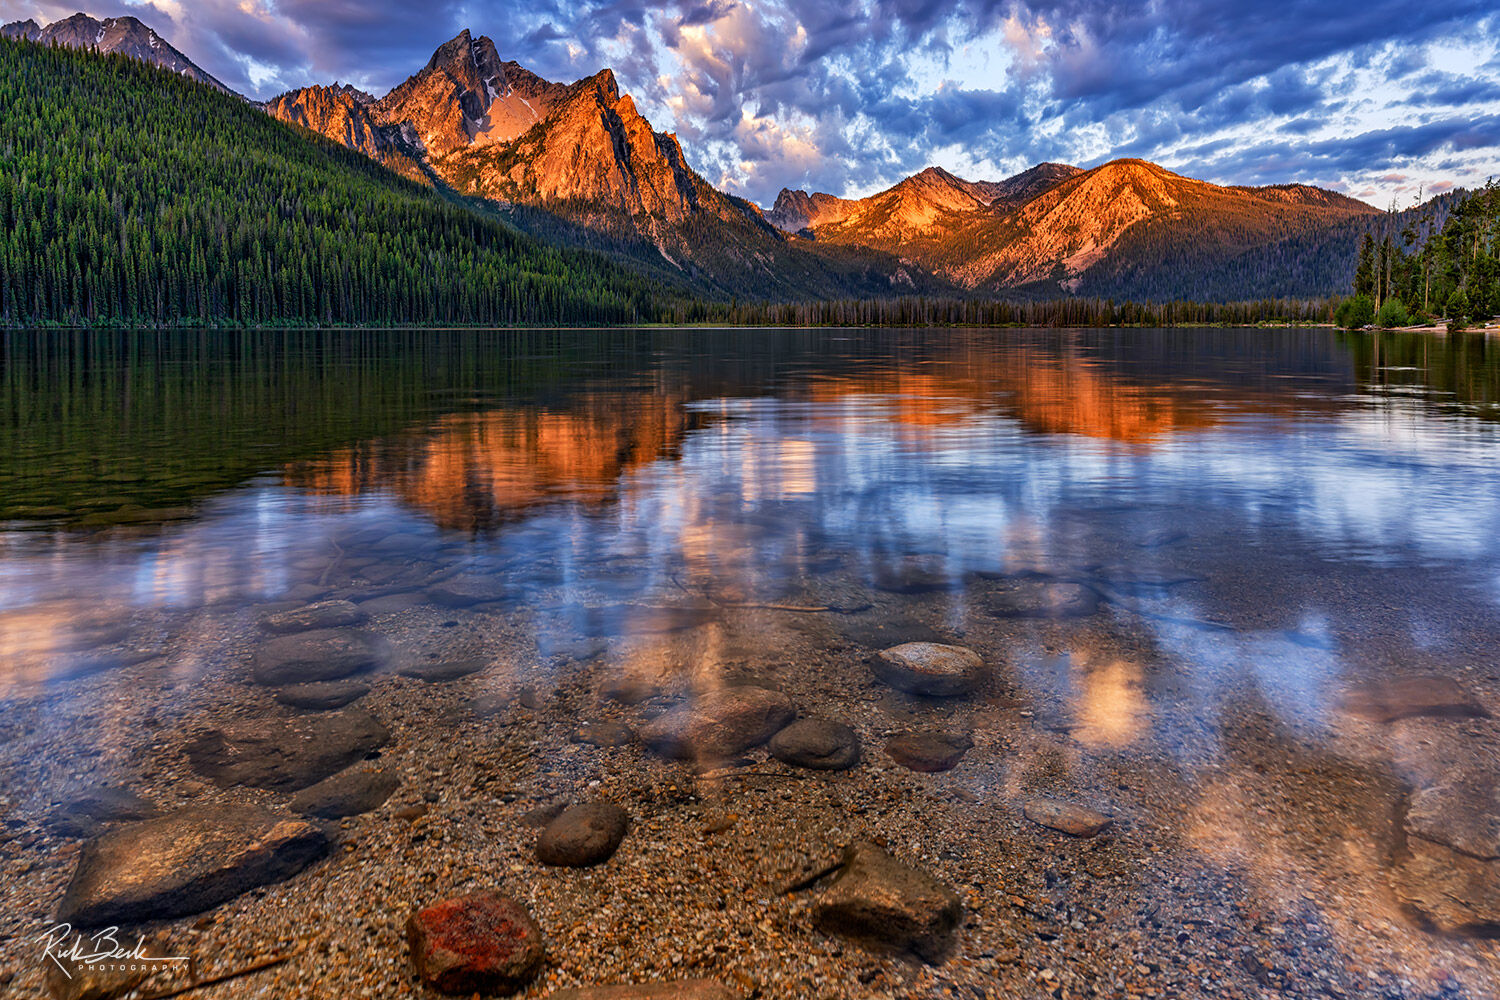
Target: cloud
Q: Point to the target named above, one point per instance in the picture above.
(848, 96)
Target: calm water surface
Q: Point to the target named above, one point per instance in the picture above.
(1192, 557)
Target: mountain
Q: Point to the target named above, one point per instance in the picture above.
(124, 36)
(140, 198)
(1056, 230)
(350, 118)
(578, 164)
(913, 204)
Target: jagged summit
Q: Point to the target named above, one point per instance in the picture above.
(125, 36)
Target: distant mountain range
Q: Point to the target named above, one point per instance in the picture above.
(578, 164)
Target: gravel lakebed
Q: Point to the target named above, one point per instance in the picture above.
(1250, 851)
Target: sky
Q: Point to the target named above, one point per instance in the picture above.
(1383, 100)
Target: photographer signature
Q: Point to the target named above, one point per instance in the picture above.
(103, 948)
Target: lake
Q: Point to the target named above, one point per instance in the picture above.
(1196, 657)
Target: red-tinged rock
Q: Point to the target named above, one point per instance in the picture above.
(480, 943)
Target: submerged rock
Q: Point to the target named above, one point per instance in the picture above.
(286, 754)
(930, 752)
(603, 734)
(480, 943)
(1452, 891)
(930, 668)
(1461, 812)
(1389, 699)
(448, 670)
(1066, 817)
(184, 863)
(583, 836)
(323, 615)
(348, 793)
(817, 744)
(721, 724)
(87, 811)
(1044, 599)
(467, 590)
(322, 696)
(320, 655)
(878, 899)
(684, 989)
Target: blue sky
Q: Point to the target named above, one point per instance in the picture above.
(1376, 98)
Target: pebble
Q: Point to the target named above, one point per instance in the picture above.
(442, 672)
(1066, 817)
(481, 943)
(582, 836)
(930, 751)
(817, 744)
(930, 668)
(323, 615)
(603, 734)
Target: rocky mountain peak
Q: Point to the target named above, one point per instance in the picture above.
(125, 36)
(26, 30)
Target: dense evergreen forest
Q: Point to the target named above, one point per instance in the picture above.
(131, 196)
(959, 312)
(1441, 262)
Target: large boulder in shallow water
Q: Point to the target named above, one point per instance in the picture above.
(720, 724)
(184, 863)
(286, 754)
(348, 793)
(930, 668)
(878, 899)
(1392, 698)
(320, 655)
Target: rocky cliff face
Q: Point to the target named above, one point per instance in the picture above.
(467, 96)
(113, 35)
(349, 116)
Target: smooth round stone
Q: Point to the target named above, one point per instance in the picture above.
(320, 655)
(325, 614)
(583, 836)
(483, 943)
(1066, 817)
(285, 754)
(348, 793)
(720, 724)
(322, 696)
(818, 744)
(930, 668)
(929, 752)
(445, 671)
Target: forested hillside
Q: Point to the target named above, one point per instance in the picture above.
(130, 195)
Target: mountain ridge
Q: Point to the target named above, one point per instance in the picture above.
(126, 36)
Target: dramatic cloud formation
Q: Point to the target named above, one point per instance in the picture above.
(1372, 97)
